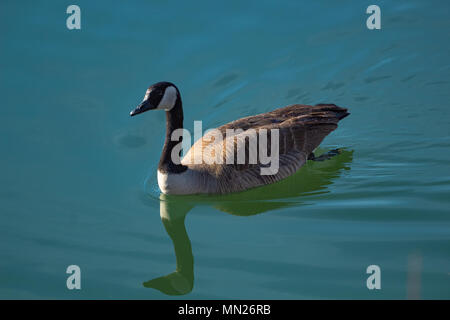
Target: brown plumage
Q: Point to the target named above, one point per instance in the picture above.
(301, 129)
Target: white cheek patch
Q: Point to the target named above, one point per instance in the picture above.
(168, 100)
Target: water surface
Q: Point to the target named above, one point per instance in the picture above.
(77, 183)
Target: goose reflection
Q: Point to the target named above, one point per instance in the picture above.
(311, 179)
(181, 281)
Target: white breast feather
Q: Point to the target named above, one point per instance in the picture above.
(186, 182)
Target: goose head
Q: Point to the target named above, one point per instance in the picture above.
(159, 96)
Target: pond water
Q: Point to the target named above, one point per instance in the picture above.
(78, 180)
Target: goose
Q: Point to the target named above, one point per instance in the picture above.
(300, 130)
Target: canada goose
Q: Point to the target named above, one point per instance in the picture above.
(300, 130)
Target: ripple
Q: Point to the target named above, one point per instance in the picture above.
(293, 92)
(333, 85)
(409, 78)
(375, 79)
(131, 141)
(226, 80)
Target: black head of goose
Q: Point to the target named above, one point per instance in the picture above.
(228, 159)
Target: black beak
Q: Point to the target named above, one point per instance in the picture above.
(144, 106)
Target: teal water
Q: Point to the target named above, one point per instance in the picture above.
(77, 183)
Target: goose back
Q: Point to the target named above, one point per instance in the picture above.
(301, 128)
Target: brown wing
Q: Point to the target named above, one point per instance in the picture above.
(301, 129)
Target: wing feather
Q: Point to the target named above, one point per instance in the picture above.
(301, 129)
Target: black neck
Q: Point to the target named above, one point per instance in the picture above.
(174, 120)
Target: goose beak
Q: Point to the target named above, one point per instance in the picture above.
(144, 106)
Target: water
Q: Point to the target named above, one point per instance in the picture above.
(78, 174)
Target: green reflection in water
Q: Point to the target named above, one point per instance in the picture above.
(311, 179)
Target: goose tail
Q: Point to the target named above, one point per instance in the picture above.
(339, 112)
